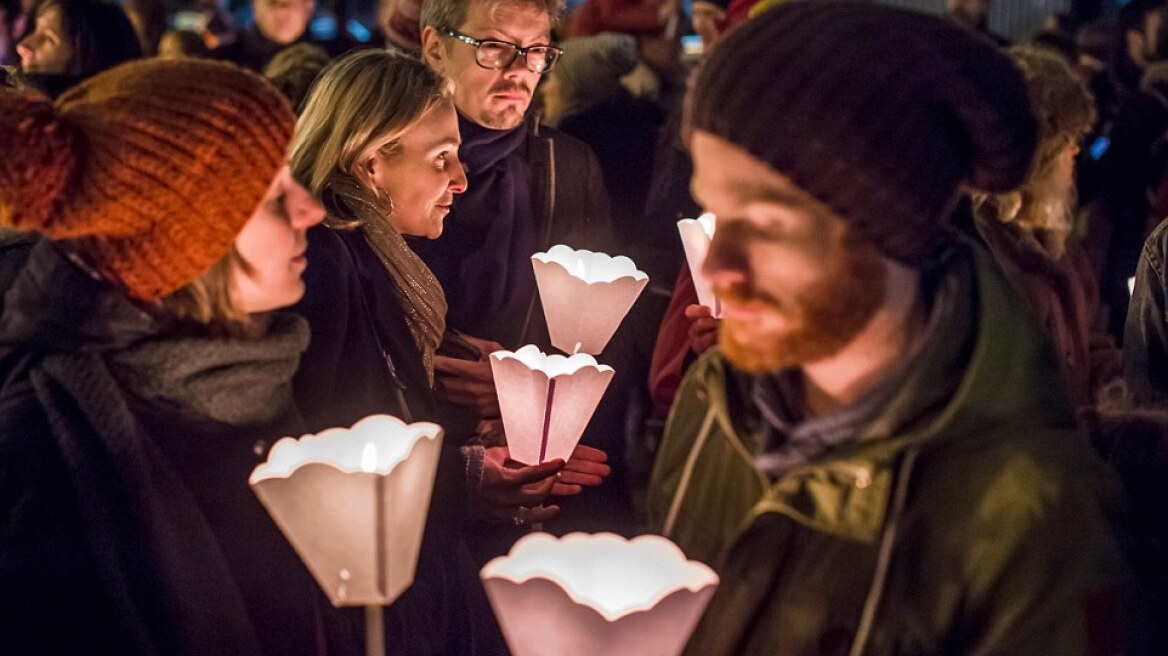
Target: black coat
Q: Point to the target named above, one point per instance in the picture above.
(361, 360)
(126, 522)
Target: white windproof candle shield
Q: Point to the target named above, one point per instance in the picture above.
(695, 237)
(585, 295)
(353, 503)
(597, 594)
(546, 400)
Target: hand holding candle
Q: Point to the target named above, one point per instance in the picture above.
(546, 400)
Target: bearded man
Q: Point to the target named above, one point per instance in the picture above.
(880, 457)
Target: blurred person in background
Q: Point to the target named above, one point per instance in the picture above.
(974, 15)
(1030, 230)
(278, 24)
(398, 25)
(149, 18)
(176, 44)
(294, 69)
(73, 40)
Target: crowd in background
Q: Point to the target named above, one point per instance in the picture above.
(417, 180)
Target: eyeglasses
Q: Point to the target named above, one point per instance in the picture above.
(492, 54)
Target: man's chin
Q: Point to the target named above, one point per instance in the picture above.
(504, 119)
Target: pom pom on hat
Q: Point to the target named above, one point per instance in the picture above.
(38, 161)
(152, 167)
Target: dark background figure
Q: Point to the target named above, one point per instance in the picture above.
(974, 15)
(176, 44)
(73, 40)
(1119, 185)
(277, 25)
(294, 69)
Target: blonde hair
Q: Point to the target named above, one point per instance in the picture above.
(207, 301)
(361, 104)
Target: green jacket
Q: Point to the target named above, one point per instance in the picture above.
(969, 518)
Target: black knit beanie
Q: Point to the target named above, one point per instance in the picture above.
(880, 113)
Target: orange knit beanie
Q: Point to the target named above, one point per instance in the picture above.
(151, 169)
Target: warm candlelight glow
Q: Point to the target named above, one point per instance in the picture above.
(585, 295)
(546, 400)
(369, 459)
(597, 594)
(353, 503)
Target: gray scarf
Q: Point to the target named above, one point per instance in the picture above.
(237, 382)
(424, 302)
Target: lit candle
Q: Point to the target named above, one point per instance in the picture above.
(582, 595)
(546, 400)
(585, 295)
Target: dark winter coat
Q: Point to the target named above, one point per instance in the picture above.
(126, 521)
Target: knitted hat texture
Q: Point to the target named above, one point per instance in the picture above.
(152, 167)
(879, 113)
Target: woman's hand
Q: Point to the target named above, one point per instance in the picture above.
(514, 492)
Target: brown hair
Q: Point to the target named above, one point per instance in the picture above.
(453, 13)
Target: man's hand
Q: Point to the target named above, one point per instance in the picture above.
(508, 486)
(703, 328)
(585, 468)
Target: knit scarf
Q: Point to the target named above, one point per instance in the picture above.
(237, 382)
(424, 300)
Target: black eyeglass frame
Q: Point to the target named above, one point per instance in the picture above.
(515, 52)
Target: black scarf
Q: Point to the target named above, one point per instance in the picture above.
(483, 258)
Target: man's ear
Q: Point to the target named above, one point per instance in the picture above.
(433, 50)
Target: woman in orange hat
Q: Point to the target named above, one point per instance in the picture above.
(141, 358)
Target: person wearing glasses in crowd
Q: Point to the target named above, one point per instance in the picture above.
(529, 187)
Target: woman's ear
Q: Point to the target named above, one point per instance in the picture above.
(366, 170)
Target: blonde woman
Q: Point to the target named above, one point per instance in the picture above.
(377, 142)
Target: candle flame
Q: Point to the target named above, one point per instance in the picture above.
(369, 458)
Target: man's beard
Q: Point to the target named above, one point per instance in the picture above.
(819, 321)
(512, 116)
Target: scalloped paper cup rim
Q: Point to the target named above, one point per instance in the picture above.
(613, 267)
(697, 575)
(347, 447)
(552, 365)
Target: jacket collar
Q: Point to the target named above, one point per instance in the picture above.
(956, 389)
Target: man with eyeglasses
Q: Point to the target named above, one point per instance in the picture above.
(529, 188)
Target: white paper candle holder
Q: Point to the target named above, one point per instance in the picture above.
(695, 237)
(583, 595)
(546, 400)
(353, 503)
(585, 295)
